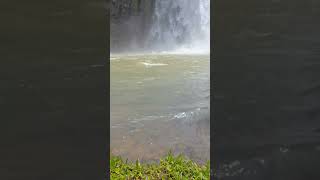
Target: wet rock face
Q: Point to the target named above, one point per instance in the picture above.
(123, 9)
(130, 22)
(266, 92)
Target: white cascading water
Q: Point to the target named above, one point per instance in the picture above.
(181, 26)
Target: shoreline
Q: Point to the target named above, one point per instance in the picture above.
(169, 166)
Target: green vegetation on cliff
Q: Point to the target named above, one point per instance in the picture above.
(170, 167)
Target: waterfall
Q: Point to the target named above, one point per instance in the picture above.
(180, 26)
(143, 26)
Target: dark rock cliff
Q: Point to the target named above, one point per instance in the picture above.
(130, 22)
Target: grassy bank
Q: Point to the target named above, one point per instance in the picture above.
(170, 167)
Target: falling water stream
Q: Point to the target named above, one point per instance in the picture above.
(181, 26)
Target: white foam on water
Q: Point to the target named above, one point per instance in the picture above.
(153, 64)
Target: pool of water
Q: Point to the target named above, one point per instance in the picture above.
(160, 103)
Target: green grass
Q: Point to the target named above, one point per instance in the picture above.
(170, 167)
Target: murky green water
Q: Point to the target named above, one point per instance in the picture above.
(160, 102)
